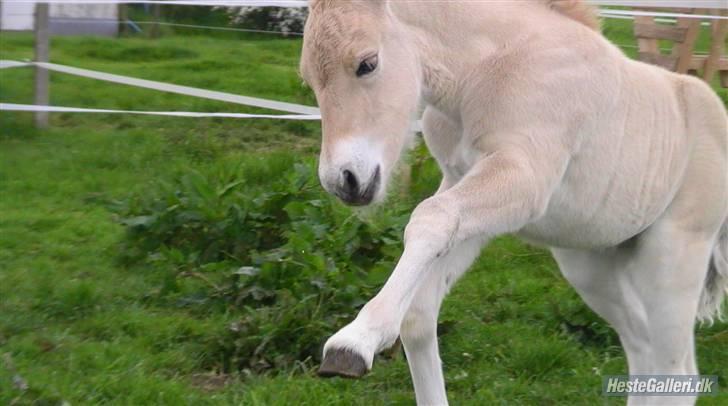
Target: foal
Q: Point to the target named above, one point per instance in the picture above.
(541, 128)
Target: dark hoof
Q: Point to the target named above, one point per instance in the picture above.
(343, 363)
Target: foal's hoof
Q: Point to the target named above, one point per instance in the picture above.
(344, 363)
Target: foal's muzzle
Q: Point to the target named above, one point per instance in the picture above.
(352, 191)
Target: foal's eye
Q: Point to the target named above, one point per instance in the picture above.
(367, 66)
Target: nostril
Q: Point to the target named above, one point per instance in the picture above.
(351, 184)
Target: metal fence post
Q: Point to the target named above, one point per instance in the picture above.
(157, 15)
(42, 48)
(123, 12)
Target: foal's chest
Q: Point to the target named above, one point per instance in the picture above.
(461, 159)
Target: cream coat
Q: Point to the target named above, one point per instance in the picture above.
(544, 129)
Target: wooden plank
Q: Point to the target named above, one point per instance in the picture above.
(42, 48)
(658, 31)
(666, 61)
(699, 62)
(684, 51)
(717, 46)
(647, 45)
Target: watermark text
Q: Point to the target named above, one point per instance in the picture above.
(659, 385)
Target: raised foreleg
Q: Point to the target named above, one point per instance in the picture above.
(503, 191)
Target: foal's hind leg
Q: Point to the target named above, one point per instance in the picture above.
(419, 327)
(648, 289)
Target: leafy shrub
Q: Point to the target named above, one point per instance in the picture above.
(268, 246)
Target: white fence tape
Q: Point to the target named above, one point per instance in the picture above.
(416, 126)
(717, 4)
(225, 3)
(210, 27)
(634, 13)
(168, 87)
(58, 109)
(302, 112)
(13, 64)
(664, 3)
(303, 3)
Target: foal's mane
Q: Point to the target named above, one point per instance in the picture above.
(577, 10)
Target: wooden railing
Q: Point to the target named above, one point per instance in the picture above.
(683, 35)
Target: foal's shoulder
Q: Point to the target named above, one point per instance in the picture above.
(550, 64)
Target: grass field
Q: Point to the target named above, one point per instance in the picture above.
(78, 325)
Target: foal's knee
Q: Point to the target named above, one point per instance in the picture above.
(419, 327)
(433, 226)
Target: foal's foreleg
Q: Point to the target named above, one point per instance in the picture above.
(350, 352)
(501, 194)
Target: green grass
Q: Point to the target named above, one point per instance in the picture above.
(77, 325)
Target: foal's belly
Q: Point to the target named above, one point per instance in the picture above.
(574, 220)
(601, 202)
(566, 229)
(602, 205)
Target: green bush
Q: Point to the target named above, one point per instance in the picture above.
(265, 243)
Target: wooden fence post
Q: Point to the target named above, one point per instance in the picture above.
(42, 47)
(685, 50)
(719, 31)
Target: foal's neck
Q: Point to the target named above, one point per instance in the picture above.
(464, 34)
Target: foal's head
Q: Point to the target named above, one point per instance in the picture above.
(366, 81)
